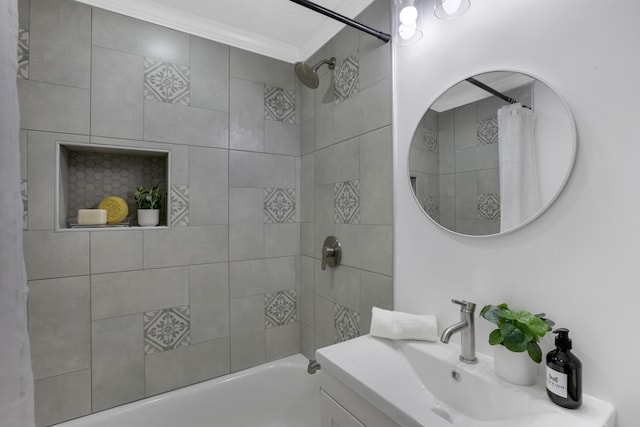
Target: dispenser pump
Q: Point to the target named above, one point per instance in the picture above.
(564, 373)
(563, 341)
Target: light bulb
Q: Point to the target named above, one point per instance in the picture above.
(451, 6)
(407, 31)
(408, 15)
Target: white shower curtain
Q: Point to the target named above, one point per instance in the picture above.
(519, 187)
(16, 377)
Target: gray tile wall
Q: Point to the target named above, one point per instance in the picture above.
(346, 186)
(213, 277)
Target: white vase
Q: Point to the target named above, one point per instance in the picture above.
(148, 217)
(516, 368)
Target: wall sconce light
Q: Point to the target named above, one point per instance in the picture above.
(408, 25)
(450, 9)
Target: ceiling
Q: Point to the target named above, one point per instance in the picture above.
(276, 28)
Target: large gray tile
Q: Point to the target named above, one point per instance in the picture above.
(307, 188)
(324, 216)
(246, 115)
(307, 238)
(180, 124)
(247, 314)
(339, 285)
(248, 349)
(209, 297)
(59, 325)
(23, 14)
(375, 57)
(24, 149)
(53, 108)
(324, 112)
(376, 177)
(208, 186)
(209, 74)
(257, 68)
(281, 240)
(186, 246)
(186, 365)
(117, 362)
(49, 255)
(116, 251)
(376, 290)
(62, 397)
(368, 247)
(338, 163)
(41, 176)
(307, 290)
(246, 223)
(120, 294)
(368, 110)
(116, 94)
(477, 158)
(281, 138)
(262, 276)
(131, 35)
(179, 155)
(308, 136)
(306, 97)
(60, 42)
(324, 323)
(307, 341)
(261, 170)
(283, 341)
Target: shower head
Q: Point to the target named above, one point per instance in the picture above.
(308, 75)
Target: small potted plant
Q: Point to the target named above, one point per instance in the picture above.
(515, 333)
(148, 204)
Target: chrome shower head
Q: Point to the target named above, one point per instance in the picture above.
(308, 75)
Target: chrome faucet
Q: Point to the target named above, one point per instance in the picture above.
(467, 331)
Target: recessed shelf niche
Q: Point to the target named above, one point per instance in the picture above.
(87, 173)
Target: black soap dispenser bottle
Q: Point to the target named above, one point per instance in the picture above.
(564, 373)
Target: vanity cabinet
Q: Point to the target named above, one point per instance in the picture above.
(342, 407)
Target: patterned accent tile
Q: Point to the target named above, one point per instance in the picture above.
(279, 104)
(179, 205)
(347, 202)
(23, 54)
(166, 329)
(489, 206)
(23, 193)
(166, 82)
(346, 323)
(431, 205)
(487, 131)
(430, 140)
(280, 308)
(279, 205)
(347, 78)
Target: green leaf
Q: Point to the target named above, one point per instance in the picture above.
(495, 337)
(507, 314)
(535, 352)
(490, 312)
(516, 347)
(537, 326)
(511, 334)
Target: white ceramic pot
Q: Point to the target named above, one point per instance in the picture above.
(516, 368)
(148, 217)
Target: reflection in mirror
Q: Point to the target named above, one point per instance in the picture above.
(491, 154)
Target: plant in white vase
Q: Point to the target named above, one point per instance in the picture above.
(516, 332)
(148, 204)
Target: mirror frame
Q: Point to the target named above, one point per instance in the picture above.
(562, 185)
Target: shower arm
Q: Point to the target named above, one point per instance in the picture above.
(331, 14)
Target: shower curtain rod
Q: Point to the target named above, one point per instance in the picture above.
(331, 14)
(492, 91)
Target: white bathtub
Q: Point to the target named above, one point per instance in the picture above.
(276, 394)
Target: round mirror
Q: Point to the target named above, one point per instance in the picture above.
(492, 153)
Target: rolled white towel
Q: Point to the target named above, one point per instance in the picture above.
(396, 325)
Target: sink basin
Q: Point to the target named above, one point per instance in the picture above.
(420, 384)
(460, 389)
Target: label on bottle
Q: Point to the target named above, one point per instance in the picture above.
(556, 382)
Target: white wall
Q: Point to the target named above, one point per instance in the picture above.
(578, 261)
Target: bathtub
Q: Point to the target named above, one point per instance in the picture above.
(276, 394)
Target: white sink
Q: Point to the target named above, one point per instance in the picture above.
(413, 383)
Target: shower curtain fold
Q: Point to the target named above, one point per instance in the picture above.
(519, 186)
(16, 377)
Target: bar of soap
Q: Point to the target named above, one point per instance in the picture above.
(92, 216)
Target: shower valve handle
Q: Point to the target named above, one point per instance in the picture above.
(331, 252)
